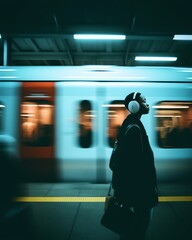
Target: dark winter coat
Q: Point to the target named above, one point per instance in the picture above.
(134, 174)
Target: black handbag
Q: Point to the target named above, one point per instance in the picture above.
(117, 217)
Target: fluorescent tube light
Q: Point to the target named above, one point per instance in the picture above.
(99, 37)
(183, 37)
(0, 36)
(140, 58)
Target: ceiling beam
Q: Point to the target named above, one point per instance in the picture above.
(68, 52)
(70, 36)
(65, 55)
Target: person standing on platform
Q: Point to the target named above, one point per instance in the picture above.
(134, 175)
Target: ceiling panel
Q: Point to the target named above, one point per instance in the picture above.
(41, 32)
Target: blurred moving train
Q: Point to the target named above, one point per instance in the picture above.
(65, 119)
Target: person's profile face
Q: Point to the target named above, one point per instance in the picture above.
(144, 106)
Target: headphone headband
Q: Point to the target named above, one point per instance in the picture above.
(134, 95)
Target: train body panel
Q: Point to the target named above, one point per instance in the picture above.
(95, 73)
(9, 110)
(84, 113)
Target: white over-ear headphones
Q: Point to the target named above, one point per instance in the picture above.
(134, 106)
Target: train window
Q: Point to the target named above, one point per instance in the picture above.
(116, 115)
(37, 123)
(174, 124)
(2, 108)
(85, 136)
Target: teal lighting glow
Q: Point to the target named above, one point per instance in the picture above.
(140, 58)
(99, 37)
(183, 37)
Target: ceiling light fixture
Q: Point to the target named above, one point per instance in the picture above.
(0, 36)
(140, 58)
(183, 37)
(99, 37)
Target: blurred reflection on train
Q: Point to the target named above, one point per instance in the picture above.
(36, 123)
(65, 119)
(174, 124)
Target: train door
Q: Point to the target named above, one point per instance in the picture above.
(37, 129)
(76, 131)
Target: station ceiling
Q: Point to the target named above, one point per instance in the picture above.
(40, 32)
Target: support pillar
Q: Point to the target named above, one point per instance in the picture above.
(5, 52)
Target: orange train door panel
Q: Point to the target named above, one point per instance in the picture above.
(37, 120)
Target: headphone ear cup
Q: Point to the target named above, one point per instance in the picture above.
(133, 106)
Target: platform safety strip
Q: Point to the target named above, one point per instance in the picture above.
(95, 199)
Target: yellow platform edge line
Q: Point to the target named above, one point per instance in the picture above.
(95, 199)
